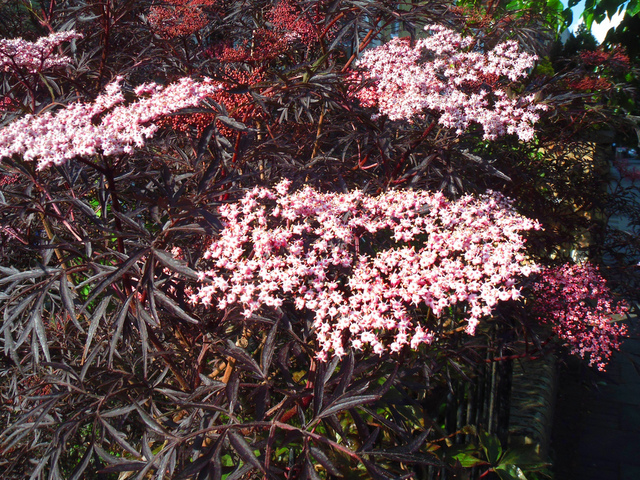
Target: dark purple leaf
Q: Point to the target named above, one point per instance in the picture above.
(244, 358)
(269, 348)
(119, 325)
(172, 307)
(151, 423)
(67, 302)
(232, 390)
(323, 460)
(175, 265)
(377, 473)
(38, 325)
(113, 277)
(119, 438)
(125, 466)
(82, 465)
(94, 321)
(347, 403)
(244, 450)
(240, 472)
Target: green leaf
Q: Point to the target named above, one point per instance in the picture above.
(524, 457)
(633, 8)
(510, 472)
(491, 446)
(467, 460)
(515, 5)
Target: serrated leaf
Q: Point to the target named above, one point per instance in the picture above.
(232, 123)
(245, 451)
(82, 465)
(126, 466)
(323, 460)
(318, 390)
(377, 473)
(151, 422)
(346, 373)
(311, 473)
(261, 397)
(67, 301)
(413, 445)
(144, 339)
(413, 458)
(203, 142)
(131, 223)
(231, 390)
(119, 325)
(172, 307)
(117, 412)
(88, 361)
(347, 403)
(119, 438)
(269, 348)
(329, 369)
(41, 333)
(370, 440)
(244, 358)
(203, 461)
(31, 274)
(174, 265)
(168, 462)
(16, 311)
(240, 472)
(111, 459)
(113, 277)
(93, 324)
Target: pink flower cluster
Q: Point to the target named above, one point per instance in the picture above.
(179, 18)
(364, 265)
(18, 55)
(575, 299)
(107, 125)
(291, 24)
(443, 74)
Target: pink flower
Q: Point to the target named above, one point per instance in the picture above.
(459, 83)
(576, 301)
(72, 132)
(313, 262)
(17, 54)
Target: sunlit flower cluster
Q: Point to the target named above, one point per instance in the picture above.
(292, 23)
(588, 83)
(444, 75)
(238, 105)
(289, 25)
(264, 45)
(179, 18)
(576, 301)
(617, 58)
(7, 104)
(18, 55)
(8, 179)
(364, 265)
(107, 126)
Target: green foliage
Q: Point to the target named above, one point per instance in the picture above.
(516, 463)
